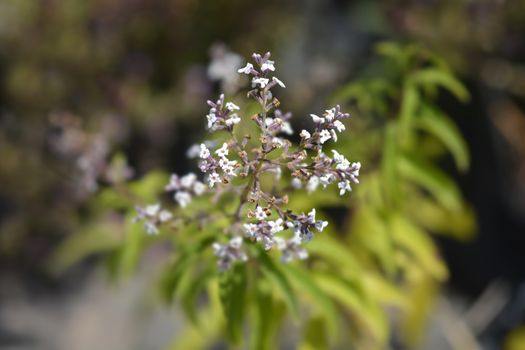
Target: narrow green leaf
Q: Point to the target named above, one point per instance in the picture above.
(304, 282)
(410, 101)
(433, 217)
(370, 231)
(388, 165)
(419, 244)
(394, 51)
(274, 273)
(232, 292)
(190, 288)
(187, 254)
(97, 238)
(336, 253)
(433, 179)
(384, 291)
(370, 318)
(443, 78)
(261, 334)
(149, 186)
(439, 125)
(131, 249)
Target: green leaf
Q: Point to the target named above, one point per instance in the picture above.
(443, 78)
(190, 287)
(232, 292)
(336, 253)
(149, 186)
(208, 333)
(130, 251)
(428, 176)
(171, 279)
(304, 282)
(370, 318)
(96, 238)
(423, 292)
(384, 291)
(274, 273)
(315, 337)
(261, 333)
(409, 104)
(370, 231)
(420, 246)
(388, 166)
(394, 51)
(431, 216)
(439, 125)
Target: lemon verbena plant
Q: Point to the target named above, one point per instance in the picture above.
(236, 167)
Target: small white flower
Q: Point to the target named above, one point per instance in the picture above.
(212, 119)
(268, 65)
(302, 254)
(296, 183)
(338, 158)
(234, 119)
(251, 229)
(174, 183)
(228, 166)
(329, 114)
(305, 134)
(232, 106)
(357, 167)
(339, 126)
(334, 135)
(320, 225)
(324, 136)
(204, 152)
(278, 142)
(236, 242)
(193, 151)
(183, 198)
(279, 82)
(247, 69)
(342, 163)
(262, 82)
(151, 228)
(260, 214)
(152, 210)
(286, 128)
(218, 249)
(279, 242)
(311, 215)
(165, 215)
(326, 179)
(276, 226)
(188, 180)
(213, 179)
(343, 187)
(312, 184)
(317, 119)
(199, 188)
(223, 151)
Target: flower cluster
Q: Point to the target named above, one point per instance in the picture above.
(219, 168)
(185, 187)
(222, 115)
(262, 216)
(152, 215)
(229, 253)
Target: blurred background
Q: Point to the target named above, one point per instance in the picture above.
(82, 80)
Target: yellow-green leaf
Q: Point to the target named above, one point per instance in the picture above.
(439, 125)
(433, 179)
